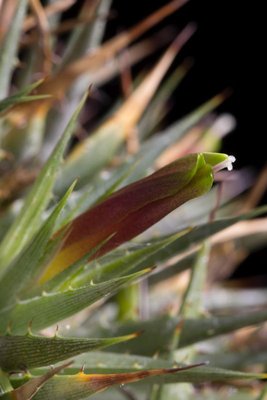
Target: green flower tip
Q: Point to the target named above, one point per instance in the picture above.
(219, 161)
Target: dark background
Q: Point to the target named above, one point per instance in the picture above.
(226, 50)
(226, 53)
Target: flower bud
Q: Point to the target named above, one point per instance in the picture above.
(134, 208)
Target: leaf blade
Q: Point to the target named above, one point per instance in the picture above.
(9, 49)
(26, 223)
(27, 264)
(30, 351)
(49, 308)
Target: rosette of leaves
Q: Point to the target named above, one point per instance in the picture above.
(89, 255)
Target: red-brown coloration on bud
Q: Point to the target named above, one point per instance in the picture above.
(133, 209)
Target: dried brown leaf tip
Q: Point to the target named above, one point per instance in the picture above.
(102, 381)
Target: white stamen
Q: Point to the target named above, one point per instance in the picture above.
(230, 160)
(228, 163)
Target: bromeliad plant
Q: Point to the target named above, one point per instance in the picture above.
(73, 278)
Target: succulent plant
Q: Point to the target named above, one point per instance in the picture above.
(116, 232)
